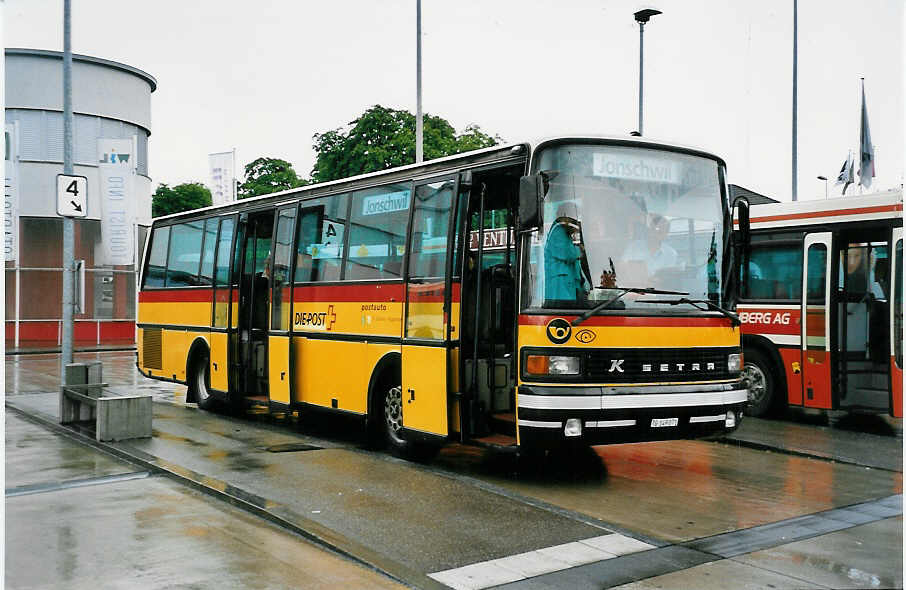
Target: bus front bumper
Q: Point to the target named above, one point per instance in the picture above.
(549, 416)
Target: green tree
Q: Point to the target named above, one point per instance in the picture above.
(383, 138)
(268, 175)
(182, 197)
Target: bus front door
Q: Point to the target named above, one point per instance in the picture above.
(816, 356)
(896, 324)
(279, 339)
(253, 259)
(863, 323)
(426, 339)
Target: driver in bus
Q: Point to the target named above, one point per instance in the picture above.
(651, 254)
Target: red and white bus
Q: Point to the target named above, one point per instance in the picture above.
(822, 305)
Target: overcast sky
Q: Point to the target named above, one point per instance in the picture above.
(264, 76)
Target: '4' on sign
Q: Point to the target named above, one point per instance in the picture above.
(72, 195)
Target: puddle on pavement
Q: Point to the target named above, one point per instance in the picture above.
(292, 448)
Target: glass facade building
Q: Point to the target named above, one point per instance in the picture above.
(111, 103)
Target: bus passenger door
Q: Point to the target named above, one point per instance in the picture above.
(816, 341)
(224, 320)
(426, 339)
(896, 324)
(279, 339)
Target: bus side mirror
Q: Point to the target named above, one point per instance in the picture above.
(531, 201)
(741, 214)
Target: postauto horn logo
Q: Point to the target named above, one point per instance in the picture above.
(558, 330)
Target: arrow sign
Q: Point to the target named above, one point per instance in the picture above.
(72, 195)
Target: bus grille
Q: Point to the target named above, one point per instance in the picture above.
(152, 354)
(651, 365)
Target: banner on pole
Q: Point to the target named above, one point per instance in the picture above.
(866, 150)
(11, 194)
(116, 177)
(222, 177)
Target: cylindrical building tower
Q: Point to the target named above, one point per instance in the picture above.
(112, 123)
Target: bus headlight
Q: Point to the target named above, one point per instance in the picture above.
(734, 363)
(540, 364)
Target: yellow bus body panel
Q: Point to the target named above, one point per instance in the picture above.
(636, 337)
(278, 368)
(175, 314)
(346, 317)
(219, 366)
(175, 344)
(425, 389)
(325, 370)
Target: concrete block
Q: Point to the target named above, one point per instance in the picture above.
(121, 418)
(78, 374)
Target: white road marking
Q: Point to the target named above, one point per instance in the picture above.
(535, 563)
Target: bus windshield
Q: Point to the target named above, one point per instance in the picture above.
(618, 217)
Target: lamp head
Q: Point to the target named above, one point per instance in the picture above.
(643, 16)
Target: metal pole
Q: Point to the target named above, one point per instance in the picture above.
(641, 70)
(68, 223)
(795, 93)
(419, 126)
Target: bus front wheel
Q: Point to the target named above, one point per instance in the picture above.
(761, 381)
(393, 429)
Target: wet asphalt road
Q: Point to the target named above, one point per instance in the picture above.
(672, 500)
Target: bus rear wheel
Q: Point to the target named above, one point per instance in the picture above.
(761, 381)
(201, 379)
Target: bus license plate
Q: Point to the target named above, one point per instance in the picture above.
(660, 422)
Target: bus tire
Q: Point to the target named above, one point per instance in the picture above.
(393, 428)
(201, 380)
(761, 381)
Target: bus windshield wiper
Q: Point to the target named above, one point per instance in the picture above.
(695, 303)
(622, 291)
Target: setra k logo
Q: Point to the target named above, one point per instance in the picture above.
(558, 330)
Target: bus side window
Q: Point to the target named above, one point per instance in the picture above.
(377, 233)
(322, 230)
(222, 273)
(155, 273)
(184, 258)
(206, 277)
(775, 272)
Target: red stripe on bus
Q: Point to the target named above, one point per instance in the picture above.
(177, 296)
(813, 214)
(349, 293)
(655, 322)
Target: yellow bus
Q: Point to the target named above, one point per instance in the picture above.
(580, 290)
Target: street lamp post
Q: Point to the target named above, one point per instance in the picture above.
(824, 178)
(642, 17)
(419, 123)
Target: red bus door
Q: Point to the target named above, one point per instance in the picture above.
(816, 292)
(896, 324)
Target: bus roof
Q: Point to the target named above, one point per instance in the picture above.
(870, 207)
(512, 152)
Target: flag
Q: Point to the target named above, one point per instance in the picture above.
(222, 177)
(846, 173)
(866, 151)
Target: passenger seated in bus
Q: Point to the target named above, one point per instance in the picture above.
(565, 279)
(880, 286)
